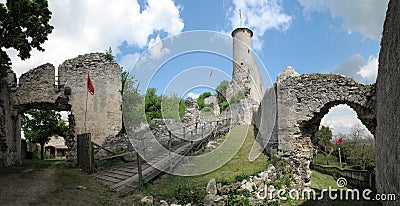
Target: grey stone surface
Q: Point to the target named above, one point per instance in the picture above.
(388, 113)
(38, 89)
(213, 102)
(211, 187)
(246, 74)
(104, 115)
(292, 109)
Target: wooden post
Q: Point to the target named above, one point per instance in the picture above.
(169, 149)
(196, 127)
(139, 164)
(340, 159)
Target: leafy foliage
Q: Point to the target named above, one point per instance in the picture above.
(162, 106)
(200, 100)
(324, 136)
(134, 104)
(221, 95)
(40, 125)
(24, 24)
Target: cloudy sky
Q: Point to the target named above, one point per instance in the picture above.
(324, 36)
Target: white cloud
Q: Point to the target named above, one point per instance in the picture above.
(365, 16)
(156, 49)
(341, 119)
(94, 25)
(259, 16)
(129, 60)
(193, 95)
(362, 70)
(369, 72)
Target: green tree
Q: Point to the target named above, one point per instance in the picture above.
(173, 107)
(324, 136)
(362, 153)
(152, 104)
(200, 100)
(133, 102)
(24, 24)
(40, 125)
(221, 95)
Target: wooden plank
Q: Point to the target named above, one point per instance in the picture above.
(110, 179)
(163, 162)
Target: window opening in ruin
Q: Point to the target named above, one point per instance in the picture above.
(356, 143)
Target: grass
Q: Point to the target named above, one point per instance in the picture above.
(171, 187)
(319, 182)
(320, 160)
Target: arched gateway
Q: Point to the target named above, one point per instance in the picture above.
(299, 103)
(40, 89)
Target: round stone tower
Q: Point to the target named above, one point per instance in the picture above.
(245, 71)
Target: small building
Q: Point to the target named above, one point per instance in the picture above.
(56, 147)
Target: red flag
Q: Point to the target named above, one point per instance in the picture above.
(338, 141)
(90, 86)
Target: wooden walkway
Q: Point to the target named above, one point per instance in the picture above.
(124, 178)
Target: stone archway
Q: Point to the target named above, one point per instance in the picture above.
(39, 89)
(300, 102)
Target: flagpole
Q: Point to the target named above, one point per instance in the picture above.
(340, 159)
(87, 95)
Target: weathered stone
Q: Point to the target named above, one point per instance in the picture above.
(388, 112)
(291, 111)
(211, 187)
(37, 89)
(213, 102)
(148, 200)
(163, 203)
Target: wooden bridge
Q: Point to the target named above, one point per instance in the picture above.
(126, 177)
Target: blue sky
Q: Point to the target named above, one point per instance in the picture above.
(312, 36)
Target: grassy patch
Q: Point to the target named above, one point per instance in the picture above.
(319, 159)
(188, 189)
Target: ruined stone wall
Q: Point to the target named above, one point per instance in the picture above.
(301, 101)
(37, 90)
(104, 115)
(388, 112)
(10, 135)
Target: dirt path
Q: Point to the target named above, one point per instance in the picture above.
(26, 186)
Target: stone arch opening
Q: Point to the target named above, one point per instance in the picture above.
(358, 142)
(366, 115)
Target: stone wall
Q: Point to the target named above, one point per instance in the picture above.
(104, 115)
(388, 112)
(300, 102)
(37, 89)
(9, 139)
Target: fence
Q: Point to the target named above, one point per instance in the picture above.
(356, 178)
